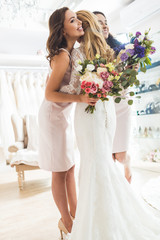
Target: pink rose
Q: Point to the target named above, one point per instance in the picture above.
(104, 75)
(98, 95)
(103, 90)
(107, 86)
(110, 84)
(94, 88)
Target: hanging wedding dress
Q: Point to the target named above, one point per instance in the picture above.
(6, 110)
(38, 89)
(32, 96)
(107, 207)
(19, 94)
(27, 106)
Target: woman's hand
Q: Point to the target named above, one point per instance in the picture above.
(86, 99)
(135, 67)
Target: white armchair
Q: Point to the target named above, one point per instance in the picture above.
(24, 92)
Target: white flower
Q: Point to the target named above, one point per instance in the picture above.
(98, 80)
(90, 67)
(92, 77)
(129, 46)
(100, 70)
(86, 77)
(79, 68)
(140, 38)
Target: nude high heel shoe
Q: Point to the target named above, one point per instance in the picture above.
(63, 231)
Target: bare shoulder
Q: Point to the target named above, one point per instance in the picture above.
(62, 59)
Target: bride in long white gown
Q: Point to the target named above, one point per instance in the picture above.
(107, 207)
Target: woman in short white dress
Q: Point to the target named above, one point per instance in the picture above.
(56, 138)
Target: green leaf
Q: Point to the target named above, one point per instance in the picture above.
(117, 100)
(131, 93)
(103, 60)
(133, 72)
(137, 82)
(147, 61)
(132, 80)
(127, 71)
(130, 102)
(122, 78)
(142, 59)
(135, 56)
(143, 69)
(124, 83)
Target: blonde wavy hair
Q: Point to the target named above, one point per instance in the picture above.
(93, 39)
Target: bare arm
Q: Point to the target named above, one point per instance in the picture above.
(59, 67)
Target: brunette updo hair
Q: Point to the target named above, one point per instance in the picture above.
(56, 39)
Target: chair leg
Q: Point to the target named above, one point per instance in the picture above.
(23, 175)
(20, 179)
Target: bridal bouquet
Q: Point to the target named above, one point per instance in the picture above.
(137, 51)
(100, 79)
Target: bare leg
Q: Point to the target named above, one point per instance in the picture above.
(60, 197)
(71, 191)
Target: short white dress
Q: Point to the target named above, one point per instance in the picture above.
(56, 133)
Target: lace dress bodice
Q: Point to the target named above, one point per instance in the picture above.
(74, 86)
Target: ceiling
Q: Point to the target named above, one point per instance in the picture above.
(109, 5)
(34, 14)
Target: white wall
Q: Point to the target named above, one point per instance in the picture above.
(116, 25)
(21, 41)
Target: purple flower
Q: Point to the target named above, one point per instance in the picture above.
(130, 51)
(136, 43)
(153, 49)
(119, 48)
(104, 75)
(124, 57)
(138, 34)
(140, 51)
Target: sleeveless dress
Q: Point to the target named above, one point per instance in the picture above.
(107, 208)
(56, 133)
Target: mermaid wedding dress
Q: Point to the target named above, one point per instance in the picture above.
(107, 207)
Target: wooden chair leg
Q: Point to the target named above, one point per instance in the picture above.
(23, 175)
(20, 172)
(20, 179)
